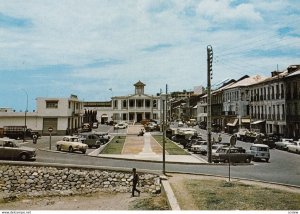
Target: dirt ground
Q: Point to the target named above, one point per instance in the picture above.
(95, 201)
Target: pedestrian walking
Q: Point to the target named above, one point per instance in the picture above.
(135, 181)
(34, 139)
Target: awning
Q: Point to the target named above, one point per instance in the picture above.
(245, 120)
(233, 123)
(257, 122)
(195, 106)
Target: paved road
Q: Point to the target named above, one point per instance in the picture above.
(284, 167)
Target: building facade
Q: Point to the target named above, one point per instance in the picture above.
(131, 108)
(236, 103)
(64, 115)
(292, 82)
(267, 107)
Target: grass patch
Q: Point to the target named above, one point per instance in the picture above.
(170, 146)
(115, 146)
(223, 195)
(155, 202)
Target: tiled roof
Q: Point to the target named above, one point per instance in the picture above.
(247, 81)
(294, 73)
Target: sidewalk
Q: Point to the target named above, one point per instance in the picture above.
(146, 148)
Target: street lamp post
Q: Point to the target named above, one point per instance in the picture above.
(25, 128)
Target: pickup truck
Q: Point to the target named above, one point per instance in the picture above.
(19, 132)
(232, 154)
(283, 143)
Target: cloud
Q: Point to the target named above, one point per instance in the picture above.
(157, 47)
(87, 47)
(222, 11)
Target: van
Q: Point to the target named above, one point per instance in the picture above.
(260, 151)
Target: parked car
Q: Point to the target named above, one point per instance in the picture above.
(241, 134)
(183, 140)
(92, 140)
(215, 147)
(104, 136)
(283, 143)
(259, 152)
(121, 125)
(71, 144)
(231, 154)
(199, 147)
(202, 125)
(10, 149)
(191, 122)
(86, 127)
(95, 125)
(180, 124)
(295, 147)
(269, 140)
(110, 123)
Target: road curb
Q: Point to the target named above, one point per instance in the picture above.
(168, 191)
(238, 178)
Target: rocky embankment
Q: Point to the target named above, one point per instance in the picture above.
(50, 181)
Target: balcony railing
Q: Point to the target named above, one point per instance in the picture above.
(269, 117)
(293, 118)
(278, 117)
(228, 113)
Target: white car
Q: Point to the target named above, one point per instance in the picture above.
(283, 143)
(71, 144)
(199, 147)
(95, 125)
(295, 147)
(121, 125)
(215, 147)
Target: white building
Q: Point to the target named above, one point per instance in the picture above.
(236, 99)
(131, 108)
(268, 104)
(61, 114)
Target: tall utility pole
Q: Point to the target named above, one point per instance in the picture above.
(209, 77)
(164, 128)
(26, 110)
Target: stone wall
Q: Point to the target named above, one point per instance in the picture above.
(42, 180)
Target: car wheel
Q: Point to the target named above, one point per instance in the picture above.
(71, 149)
(23, 157)
(267, 160)
(83, 151)
(248, 160)
(58, 148)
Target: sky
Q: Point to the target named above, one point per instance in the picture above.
(55, 48)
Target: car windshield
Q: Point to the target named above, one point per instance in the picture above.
(215, 147)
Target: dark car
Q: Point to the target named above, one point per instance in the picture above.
(92, 140)
(9, 149)
(202, 125)
(231, 154)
